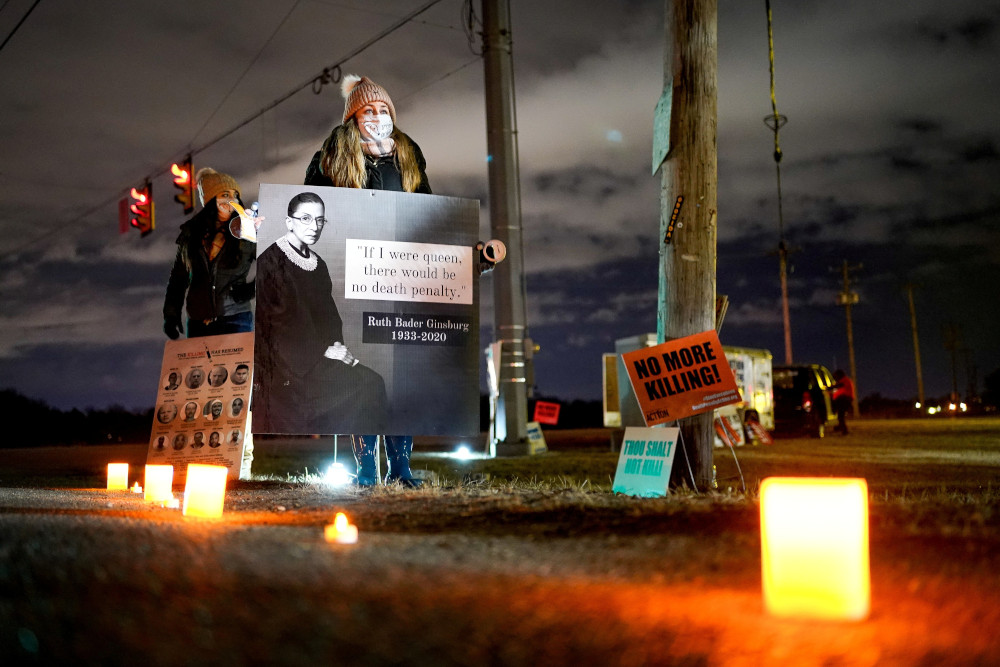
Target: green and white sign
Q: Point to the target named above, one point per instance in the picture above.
(645, 461)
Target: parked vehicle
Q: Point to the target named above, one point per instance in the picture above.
(802, 399)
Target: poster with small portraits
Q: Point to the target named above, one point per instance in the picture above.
(203, 402)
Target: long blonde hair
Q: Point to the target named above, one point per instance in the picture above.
(343, 161)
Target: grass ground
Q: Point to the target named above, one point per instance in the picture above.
(899, 458)
(501, 562)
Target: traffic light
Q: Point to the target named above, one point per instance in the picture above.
(143, 215)
(184, 180)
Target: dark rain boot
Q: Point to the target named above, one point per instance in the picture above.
(365, 447)
(397, 452)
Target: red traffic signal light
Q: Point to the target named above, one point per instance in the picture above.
(143, 216)
(184, 180)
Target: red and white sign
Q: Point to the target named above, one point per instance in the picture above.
(546, 412)
(681, 378)
(760, 434)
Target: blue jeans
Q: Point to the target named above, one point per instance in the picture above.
(227, 324)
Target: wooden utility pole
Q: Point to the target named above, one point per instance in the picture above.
(952, 335)
(775, 121)
(847, 298)
(510, 329)
(916, 346)
(686, 303)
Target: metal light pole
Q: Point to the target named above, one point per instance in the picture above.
(510, 329)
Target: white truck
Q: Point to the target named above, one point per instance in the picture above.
(752, 370)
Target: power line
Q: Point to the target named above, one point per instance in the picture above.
(439, 79)
(323, 78)
(23, 19)
(372, 12)
(49, 234)
(328, 75)
(239, 80)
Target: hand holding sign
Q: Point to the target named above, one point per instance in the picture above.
(490, 254)
(245, 227)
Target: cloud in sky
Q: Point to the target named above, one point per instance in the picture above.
(890, 161)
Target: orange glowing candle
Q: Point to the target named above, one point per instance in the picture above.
(159, 483)
(814, 547)
(341, 530)
(204, 491)
(136, 488)
(117, 477)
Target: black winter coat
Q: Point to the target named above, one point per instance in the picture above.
(383, 173)
(213, 287)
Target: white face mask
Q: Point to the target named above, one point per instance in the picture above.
(378, 127)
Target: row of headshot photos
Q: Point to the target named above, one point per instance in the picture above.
(196, 440)
(217, 376)
(211, 410)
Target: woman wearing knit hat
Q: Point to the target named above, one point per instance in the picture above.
(369, 151)
(209, 275)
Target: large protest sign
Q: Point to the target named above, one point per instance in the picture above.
(680, 378)
(368, 321)
(202, 403)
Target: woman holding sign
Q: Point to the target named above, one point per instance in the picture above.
(368, 151)
(209, 277)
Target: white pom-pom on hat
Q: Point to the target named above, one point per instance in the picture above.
(359, 91)
(348, 83)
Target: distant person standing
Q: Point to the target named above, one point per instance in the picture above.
(843, 398)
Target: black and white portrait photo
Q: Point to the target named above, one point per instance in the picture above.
(367, 313)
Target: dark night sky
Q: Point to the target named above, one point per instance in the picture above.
(891, 161)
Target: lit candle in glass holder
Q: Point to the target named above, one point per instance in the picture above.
(117, 477)
(159, 483)
(204, 491)
(814, 547)
(341, 530)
